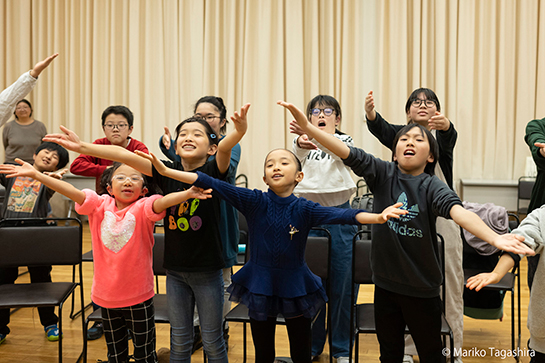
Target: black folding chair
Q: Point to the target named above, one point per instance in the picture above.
(38, 245)
(474, 264)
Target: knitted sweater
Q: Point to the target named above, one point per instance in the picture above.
(277, 278)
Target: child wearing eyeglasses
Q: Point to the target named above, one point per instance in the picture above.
(328, 182)
(121, 225)
(423, 108)
(117, 124)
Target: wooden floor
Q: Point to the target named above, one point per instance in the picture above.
(484, 340)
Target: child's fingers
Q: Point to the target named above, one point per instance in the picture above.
(539, 144)
(143, 154)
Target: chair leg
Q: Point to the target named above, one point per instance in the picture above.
(357, 348)
(244, 345)
(60, 332)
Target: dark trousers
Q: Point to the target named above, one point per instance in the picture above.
(538, 358)
(140, 319)
(423, 317)
(298, 333)
(37, 274)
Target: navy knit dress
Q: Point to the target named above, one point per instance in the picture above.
(276, 279)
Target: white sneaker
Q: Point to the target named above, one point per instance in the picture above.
(408, 359)
(343, 360)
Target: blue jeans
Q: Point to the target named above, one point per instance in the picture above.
(184, 290)
(340, 291)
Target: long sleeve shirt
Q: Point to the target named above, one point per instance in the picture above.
(13, 94)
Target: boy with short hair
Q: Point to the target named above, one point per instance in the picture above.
(117, 123)
(29, 198)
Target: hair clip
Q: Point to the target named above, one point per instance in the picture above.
(212, 136)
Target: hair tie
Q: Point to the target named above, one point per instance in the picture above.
(212, 136)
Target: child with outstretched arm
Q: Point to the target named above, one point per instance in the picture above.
(277, 279)
(404, 255)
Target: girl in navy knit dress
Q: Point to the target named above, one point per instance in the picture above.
(277, 280)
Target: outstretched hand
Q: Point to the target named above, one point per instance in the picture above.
(239, 119)
(69, 140)
(513, 243)
(370, 106)
(303, 141)
(56, 174)
(300, 117)
(167, 139)
(199, 193)
(541, 147)
(439, 122)
(158, 164)
(41, 65)
(479, 281)
(13, 171)
(392, 211)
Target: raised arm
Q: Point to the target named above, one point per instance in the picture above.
(41, 65)
(166, 144)
(20, 88)
(71, 141)
(25, 169)
(329, 141)
(479, 281)
(370, 112)
(223, 155)
(176, 198)
(472, 223)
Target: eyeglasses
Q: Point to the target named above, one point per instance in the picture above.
(207, 118)
(122, 177)
(418, 101)
(328, 111)
(120, 127)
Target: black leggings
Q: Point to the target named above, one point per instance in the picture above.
(298, 333)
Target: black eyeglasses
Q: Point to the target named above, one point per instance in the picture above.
(120, 127)
(418, 101)
(328, 111)
(207, 118)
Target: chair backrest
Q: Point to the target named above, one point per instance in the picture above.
(317, 255)
(241, 180)
(40, 245)
(361, 259)
(525, 186)
(159, 254)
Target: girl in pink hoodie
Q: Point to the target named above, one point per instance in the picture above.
(121, 224)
